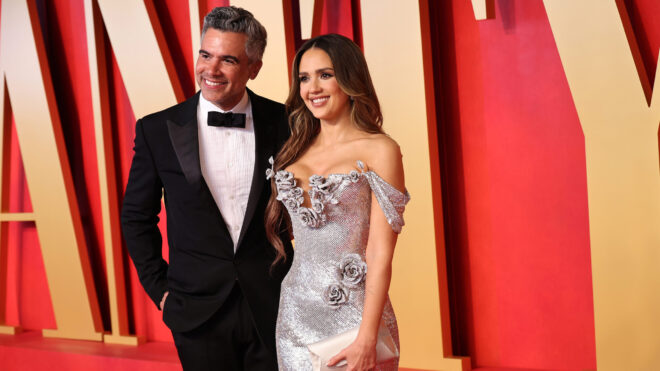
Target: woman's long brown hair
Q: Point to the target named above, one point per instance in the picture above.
(353, 78)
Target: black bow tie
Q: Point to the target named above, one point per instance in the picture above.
(227, 119)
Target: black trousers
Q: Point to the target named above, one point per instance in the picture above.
(228, 341)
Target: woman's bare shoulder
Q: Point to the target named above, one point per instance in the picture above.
(380, 149)
(382, 155)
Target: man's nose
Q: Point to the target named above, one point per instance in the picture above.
(215, 67)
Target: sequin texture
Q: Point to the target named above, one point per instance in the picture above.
(323, 293)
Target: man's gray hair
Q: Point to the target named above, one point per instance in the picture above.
(235, 19)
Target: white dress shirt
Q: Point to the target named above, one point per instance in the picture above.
(226, 157)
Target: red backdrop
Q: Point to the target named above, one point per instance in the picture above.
(512, 162)
(514, 187)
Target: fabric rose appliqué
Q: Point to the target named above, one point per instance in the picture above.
(323, 190)
(269, 172)
(293, 198)
(351, 273)
(284, 180)
(319, 183)
(310, 217)
(352, 270)
(354, 176)
(335, 295)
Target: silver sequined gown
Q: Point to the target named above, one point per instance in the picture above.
(323, 293)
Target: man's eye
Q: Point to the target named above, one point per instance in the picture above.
(229, 61)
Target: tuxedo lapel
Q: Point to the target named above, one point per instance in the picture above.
(183, 131)
(264, 146)
(186, 146)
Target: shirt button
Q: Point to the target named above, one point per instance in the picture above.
(227, 133)
(235, 227)
(231, 197)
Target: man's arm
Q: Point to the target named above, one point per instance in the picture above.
(139, 219)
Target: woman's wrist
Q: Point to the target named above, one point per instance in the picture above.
(367, 338)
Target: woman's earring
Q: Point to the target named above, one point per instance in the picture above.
(350, 97)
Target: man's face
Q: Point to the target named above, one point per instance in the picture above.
(222, 68)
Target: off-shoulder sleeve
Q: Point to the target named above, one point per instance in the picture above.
(390, 199)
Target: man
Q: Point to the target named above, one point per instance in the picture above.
(218, 294)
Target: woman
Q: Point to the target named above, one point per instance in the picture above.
(345, 219)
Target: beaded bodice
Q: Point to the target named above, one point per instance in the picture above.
(323, 293)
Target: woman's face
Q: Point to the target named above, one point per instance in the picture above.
(319, 88)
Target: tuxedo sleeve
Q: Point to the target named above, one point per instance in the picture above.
(139, 218)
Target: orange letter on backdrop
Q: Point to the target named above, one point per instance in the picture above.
(24, 70)
(612, 91)
(418, 292)
(621, 141)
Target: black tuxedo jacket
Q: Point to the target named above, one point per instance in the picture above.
(203, 268)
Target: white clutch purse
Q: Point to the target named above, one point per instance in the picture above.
(321, 351)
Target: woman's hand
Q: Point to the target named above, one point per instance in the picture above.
(360, 355)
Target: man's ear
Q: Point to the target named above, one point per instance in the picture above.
(254, 69)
